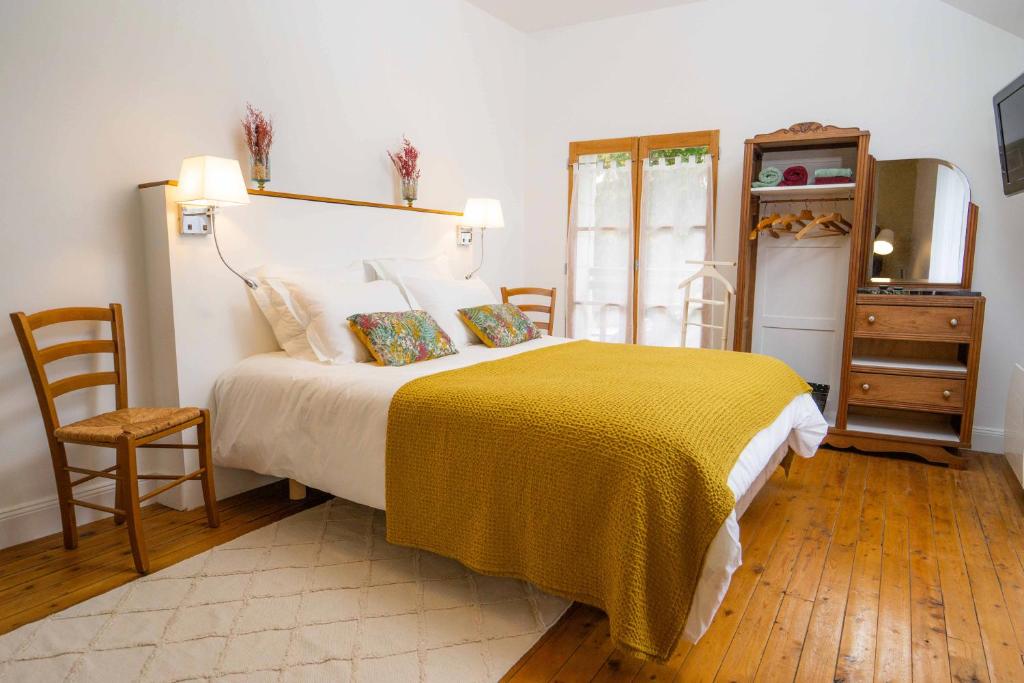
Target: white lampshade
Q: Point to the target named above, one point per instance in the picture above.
(211, 181)
(483, 213)
(884, 242)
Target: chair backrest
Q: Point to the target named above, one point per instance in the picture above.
(546, 325)
(37, 358)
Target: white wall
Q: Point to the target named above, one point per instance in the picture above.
(98, 96)
(918, 74)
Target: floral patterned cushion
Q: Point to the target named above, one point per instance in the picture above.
(401, 338)
(499, 324)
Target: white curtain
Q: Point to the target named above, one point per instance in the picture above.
(601, 236)
(676, 219)
(948, 227)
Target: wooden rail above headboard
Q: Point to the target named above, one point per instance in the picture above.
(326, 200)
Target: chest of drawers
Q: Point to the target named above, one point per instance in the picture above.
(910, 375)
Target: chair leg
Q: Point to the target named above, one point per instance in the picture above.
(206, 462)
(68, 521)
(119, 503)
(128, 480)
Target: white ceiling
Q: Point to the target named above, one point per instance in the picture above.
(1006, 14)
(538, 15)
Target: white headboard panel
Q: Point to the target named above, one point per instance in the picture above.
(202, 319)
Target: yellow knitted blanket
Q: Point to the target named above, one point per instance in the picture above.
(596, 471)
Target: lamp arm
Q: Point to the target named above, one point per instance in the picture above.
(477, 269)
(213, 228)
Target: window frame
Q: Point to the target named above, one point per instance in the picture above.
(638, 148)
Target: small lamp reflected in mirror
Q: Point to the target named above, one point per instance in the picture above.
(206, 183)
(884, 242)
(480, 213)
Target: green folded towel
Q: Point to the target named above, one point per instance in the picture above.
(833, 173)
(768, 177)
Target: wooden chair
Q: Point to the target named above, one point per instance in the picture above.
(123, 430)
(549, 325)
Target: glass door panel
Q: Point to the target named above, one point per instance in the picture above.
(601, 253)
(674, 217)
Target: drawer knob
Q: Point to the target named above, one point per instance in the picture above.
(953, 322)
(947, 393)
(865, 386)
(871, 319)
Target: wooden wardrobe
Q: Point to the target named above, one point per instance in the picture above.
(899, 355)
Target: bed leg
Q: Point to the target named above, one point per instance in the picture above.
(296, 491)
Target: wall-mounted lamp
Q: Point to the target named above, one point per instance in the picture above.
(884, 242)
(205, 184)
(479, 213)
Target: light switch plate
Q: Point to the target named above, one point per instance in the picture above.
(195, 224)
(465, 236)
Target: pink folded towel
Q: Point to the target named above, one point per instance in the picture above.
(833, 180)
(794, 175)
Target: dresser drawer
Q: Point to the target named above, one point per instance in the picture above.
(939, 323)
(875, 388)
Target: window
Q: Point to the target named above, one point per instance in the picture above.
(639, 209)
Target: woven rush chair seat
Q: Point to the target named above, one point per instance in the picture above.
(136, 422)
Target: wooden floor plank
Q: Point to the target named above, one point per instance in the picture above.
(929, 651)
(782, 653)
(1001, 543)
(589, 657)
(856, 657)
(963, 635)
(997, 635)
(619, 668)
(824, 633)
(544, 662)
(825, 628)
(893, 646)
(1008, 499)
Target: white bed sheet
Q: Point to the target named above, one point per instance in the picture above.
(326, 426)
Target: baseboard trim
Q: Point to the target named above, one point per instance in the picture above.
(38, 518)
(987, 440)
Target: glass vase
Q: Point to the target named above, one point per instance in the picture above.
(260, 170)
(409, 190)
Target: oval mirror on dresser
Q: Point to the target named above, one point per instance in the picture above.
(919, 223)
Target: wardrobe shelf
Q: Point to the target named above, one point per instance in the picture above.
(913, 364)
(806, 192)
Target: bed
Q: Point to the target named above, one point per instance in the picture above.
(327, 426)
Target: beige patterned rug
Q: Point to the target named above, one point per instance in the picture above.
(319, 596)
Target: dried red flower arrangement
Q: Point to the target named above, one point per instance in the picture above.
(259, 136)
(406, 160)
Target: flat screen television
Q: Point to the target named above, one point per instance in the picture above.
(1009, 106)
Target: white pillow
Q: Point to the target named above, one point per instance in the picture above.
(397, 269)
(275, 301)
(442, 299)
(325, 307)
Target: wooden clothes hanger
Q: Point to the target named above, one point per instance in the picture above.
(765, 224)
(829, 222)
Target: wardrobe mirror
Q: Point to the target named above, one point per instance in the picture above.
(920, 223)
